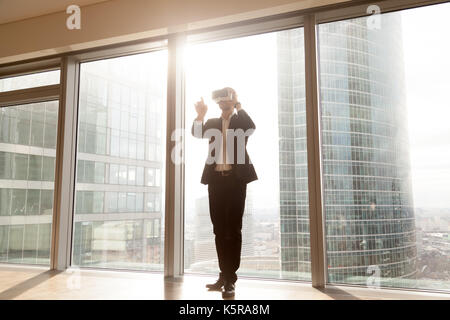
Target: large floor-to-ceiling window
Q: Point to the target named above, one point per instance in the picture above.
(385, 141)
(27, 172)
(119, 192)
(267, 72)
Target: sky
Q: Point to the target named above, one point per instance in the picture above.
(249, 66)
(427, 72)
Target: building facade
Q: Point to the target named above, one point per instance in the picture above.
(293, 174)
(368, 209)
(27, 173)
(118, 218)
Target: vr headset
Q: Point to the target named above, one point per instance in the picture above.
(222, 95)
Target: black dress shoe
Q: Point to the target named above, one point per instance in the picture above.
(217, 286)
(228, 290)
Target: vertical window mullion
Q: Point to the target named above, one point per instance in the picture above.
(318, 273)
(174, 209)
(65, 168)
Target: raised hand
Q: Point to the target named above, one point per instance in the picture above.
(201, 109)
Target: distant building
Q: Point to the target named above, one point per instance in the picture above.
(118, 216)
(368, 208)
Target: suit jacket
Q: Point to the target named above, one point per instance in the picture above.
(245, 172)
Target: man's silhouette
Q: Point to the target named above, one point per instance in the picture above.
(227, 177)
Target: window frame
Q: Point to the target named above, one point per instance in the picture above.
(69, 161)
(36, 95)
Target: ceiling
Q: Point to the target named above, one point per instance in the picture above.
(14, 10)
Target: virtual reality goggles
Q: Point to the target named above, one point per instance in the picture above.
(225, 94)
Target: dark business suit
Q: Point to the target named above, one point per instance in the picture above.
(227, 195)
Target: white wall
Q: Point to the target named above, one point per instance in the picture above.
(117, 21)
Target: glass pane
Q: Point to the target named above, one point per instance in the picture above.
(27, 173)
(386, 165)
(30, 80)
(110, 220)
(267, 72)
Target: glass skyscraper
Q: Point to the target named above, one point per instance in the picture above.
(368, 209)
(118, 218)
(27, 172)
(294, 209)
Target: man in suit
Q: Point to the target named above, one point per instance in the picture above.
(226, 173)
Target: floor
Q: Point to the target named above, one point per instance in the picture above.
(39, 283)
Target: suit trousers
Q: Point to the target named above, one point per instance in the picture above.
(226, 207)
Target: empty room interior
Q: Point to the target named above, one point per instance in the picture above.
(209, 150)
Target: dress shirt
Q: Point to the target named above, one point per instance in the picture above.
(225, 165)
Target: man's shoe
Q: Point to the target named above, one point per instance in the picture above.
(217, 286)
(228, 290)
